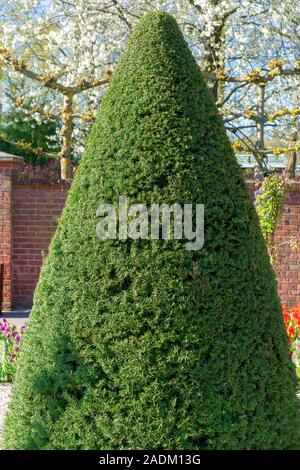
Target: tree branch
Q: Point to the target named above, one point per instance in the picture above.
(49, 80)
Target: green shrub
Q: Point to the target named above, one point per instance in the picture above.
(142, 344)
(25, 137)
(269, 204)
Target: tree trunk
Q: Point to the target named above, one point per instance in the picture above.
(216, 61)
(66, 134)
(291, 165)
(292, 161)
(261, 130)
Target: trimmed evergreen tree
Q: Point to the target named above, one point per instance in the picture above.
(142, 344)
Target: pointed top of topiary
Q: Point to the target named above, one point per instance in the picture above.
(140, 343)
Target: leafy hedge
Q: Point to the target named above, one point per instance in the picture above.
(25, 137)
(142, 344)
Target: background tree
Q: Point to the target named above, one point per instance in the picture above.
(234, 41)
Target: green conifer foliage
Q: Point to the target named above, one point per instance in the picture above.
(143, 344)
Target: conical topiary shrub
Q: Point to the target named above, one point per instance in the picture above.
(140, 344)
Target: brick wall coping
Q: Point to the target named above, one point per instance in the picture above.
(292, 185)
(24, 181)
(9, 158)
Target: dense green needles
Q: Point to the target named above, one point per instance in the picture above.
(142, 344)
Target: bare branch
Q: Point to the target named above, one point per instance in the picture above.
(49, 80)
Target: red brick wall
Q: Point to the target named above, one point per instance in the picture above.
(36, 208)
(31, 200)
(5, 235)
(288, 240)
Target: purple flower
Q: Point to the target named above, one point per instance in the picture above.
(16, 348)
(12, 357)
(267, 215)
(18, 338)
(23, 327)
(257, 192)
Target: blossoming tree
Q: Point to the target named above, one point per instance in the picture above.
(248, 53)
